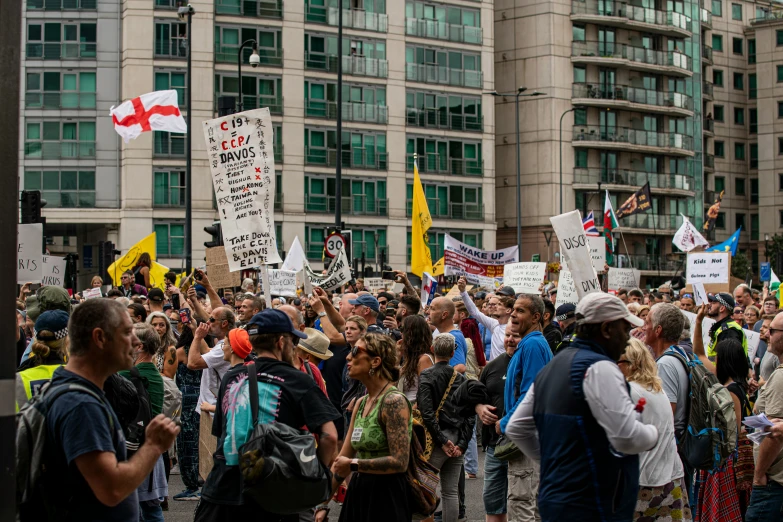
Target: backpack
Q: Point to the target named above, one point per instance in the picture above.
(711, 434)
(172, 399)
(134, 430)
(279, 465)
(31, 434)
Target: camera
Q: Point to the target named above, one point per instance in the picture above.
(254, 60)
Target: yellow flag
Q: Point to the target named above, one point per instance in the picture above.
(158, 275)
(421, 258)
(128, 261)
(438, 268)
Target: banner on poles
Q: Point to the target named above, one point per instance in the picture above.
(339, 273)
(465, 260)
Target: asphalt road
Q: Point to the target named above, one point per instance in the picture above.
(183, 511)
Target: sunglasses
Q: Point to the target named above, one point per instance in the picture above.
(356, 349)
(686, 296)
(382, 302)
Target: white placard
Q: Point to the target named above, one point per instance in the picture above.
(29, 260)
(339, 273)
(574, 246)
(708, 268)
(566, 291)
(282, 283)
(700, 294)
(525, 278)
(623, 278)
(92, 293)
(375, 284)
(241, 159)
(597, 252)
(53, 271)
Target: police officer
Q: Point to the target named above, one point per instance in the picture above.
(721, 308)
(48, 353)
(566, 319)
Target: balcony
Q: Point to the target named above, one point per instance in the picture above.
(625, 138)
(652, 263)
(59, 149)
(450, 210)
(172, 49)
(61, 5)
(769, 15)
(707, 89)
(635, 18)
(440, 119)
(633, 179)
(61, 51)
(637, 58)
(277, 149)
(360, 112)
(706, 18)
(436, 74)
(623, 95)
(434, 164)
(254, 101)
(166, 4)
(250, 8)
(709, 125)
(267, 57)
(315, 251)
(355, 205)
(426, 28)
(356, 65)
(709, 161)
(59, 100)
(658, 223)
(352, 18)
(706, 53)
(351, 159)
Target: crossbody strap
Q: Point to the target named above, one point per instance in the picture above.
(252, 382)
(445, 394)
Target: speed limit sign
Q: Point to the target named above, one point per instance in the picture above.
(334, 244)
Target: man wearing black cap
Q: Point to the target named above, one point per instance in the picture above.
(721, 308)
(566, 319)
(155, 297)
(551, 331)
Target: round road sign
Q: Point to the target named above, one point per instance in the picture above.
(334, 244)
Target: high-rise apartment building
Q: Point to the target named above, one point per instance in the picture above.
(668, 93)
(415, 78)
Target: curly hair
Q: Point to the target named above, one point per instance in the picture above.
(416, 341)
(380, 345)
(643, 369)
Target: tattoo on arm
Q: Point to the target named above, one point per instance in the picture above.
(395, 417)
(172, 356)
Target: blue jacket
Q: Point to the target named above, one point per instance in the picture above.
(532, 354)
(582, 477)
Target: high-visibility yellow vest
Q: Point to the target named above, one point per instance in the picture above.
(725, 326)
(29, 382)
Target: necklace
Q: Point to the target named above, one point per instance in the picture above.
(371, 401)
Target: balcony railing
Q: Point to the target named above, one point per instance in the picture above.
(250, 8)
(709, 124)
(709, 160)
(632, 137)
(634, 54)
(352, 18)
(706, 52)
(171, 48)
(315, 251)
(351, 159)
(356, 205)
(465, 211)
(267, 57)
(59, 100)
(651, 262)
(633, 95)
(256, 101)
(435, 164)
(167, 4)
(707, 88)
(652, 221)
(424, 28)
(706, 18)
(633, 178)
(769, 16)
(427, 73)
(61, 51)
(362, 112)
(440, 119)
(631, 12)
(355, 65)
(59, 149)
(171, 148)
(61, 5)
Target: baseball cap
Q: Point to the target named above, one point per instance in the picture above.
(507, 291)
(368, 301)
(599, 307)
(565, 311)
(272, 320)
(723, 298)
(51, 325)
(317, 344)
(155, 294)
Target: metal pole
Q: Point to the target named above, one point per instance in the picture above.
(519, 185)
(239, 70)
(561, 156)
(338, 176)
(188, 153)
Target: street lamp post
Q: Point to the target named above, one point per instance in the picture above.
(183, 11)
(561, 155)
(254, 61)
(516, 95)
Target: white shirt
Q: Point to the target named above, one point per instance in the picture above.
(212, 375)
(493, 325)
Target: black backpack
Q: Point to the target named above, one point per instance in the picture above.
(134, 430)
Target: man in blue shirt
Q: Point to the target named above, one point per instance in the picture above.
(442, 318)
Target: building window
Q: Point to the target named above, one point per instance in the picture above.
(752, 86)
(720, 149)
(61, 41)
(169, 188)
(779, 69)
(754, 231)
(581, 159)
(458, 67)
(780, 146)
(360, 196)
(63, 189)
(174, 80)
(780, 182)
(720, 184)
(451, 201)
(718, 111)
(580, 117)
(717, 43)
(751, 50)
(55, 90)
(739, 186)
(717, 77)
(736, 45)
(780, 109)
(754, 191)
(739, 116)
(314, 242)
(171, 39)
(578, 33)
(170, 239)
(779, 37)
(780, 218)
(580, 74)
(739, 151)
(754, 155)
(365, 241)
(736, 11)
(739, 81)
(229, 38)
(717, 8)
(55, 139)
(739, 221)
(720, 221)
(169, 144)
(753, 116)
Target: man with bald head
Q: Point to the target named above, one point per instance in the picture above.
(743, 296)
(442, 318)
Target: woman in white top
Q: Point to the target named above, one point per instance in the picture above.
(662, 492)
(415, 352)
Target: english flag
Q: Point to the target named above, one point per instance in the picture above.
(152, 111)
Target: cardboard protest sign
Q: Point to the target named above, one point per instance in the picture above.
(29, 259)
(464, 260)
(711, 269)
(699, 294)
(623, 278)
(597, 252)
(53, 273)
(281, 283)
(92, 293)
(566, 291)
(576, 250)
(525, 278)
(218, 269)
(339, 273)
(241, 159)
(376, 284)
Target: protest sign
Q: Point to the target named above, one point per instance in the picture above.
(699, 294)
(525, 278)
(53, 273)
(375, 284)
(597, 252)
(575, 248)
(92, 293)
(239, 147)
(29, 260)
(712, 269)
(339, 273)
(281, 283)
(752, 337)
(623, 278)
(218, 270)
(464, 260)
(566, 291)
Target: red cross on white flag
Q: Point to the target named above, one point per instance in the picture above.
(153, 111)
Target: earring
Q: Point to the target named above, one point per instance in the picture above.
(372, 372)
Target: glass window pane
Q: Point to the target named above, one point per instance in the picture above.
(161, 81)
(32, 180)
(69, 82)
(51, 180)
(87, 82)
(68, 180)
(87, 131)
(51, 130)
(33, 82)
(162, 239)
(86, 180)
(33, 131)
(230, 36)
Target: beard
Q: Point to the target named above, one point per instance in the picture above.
(710, 313)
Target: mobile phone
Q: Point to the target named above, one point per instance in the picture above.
(175, 301)
(391, 312)
(184, 316)
(391, 276)
(197, 275)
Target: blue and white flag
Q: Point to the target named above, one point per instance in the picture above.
(730, 245)
(428, 287)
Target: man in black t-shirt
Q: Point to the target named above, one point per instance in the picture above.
(286, 395)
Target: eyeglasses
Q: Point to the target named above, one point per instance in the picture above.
(774, 330)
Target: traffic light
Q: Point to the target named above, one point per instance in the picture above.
(31, 206)
(216, 233)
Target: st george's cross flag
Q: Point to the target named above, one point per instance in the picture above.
(152, 111)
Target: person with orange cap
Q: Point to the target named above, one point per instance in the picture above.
(236, 348)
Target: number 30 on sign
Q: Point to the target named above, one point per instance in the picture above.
(334, 244)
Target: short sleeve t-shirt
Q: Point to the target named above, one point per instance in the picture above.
(674, 380)
(770, 402)
(78, 424)
(154, 384)
(211, 376)
(460, 349)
